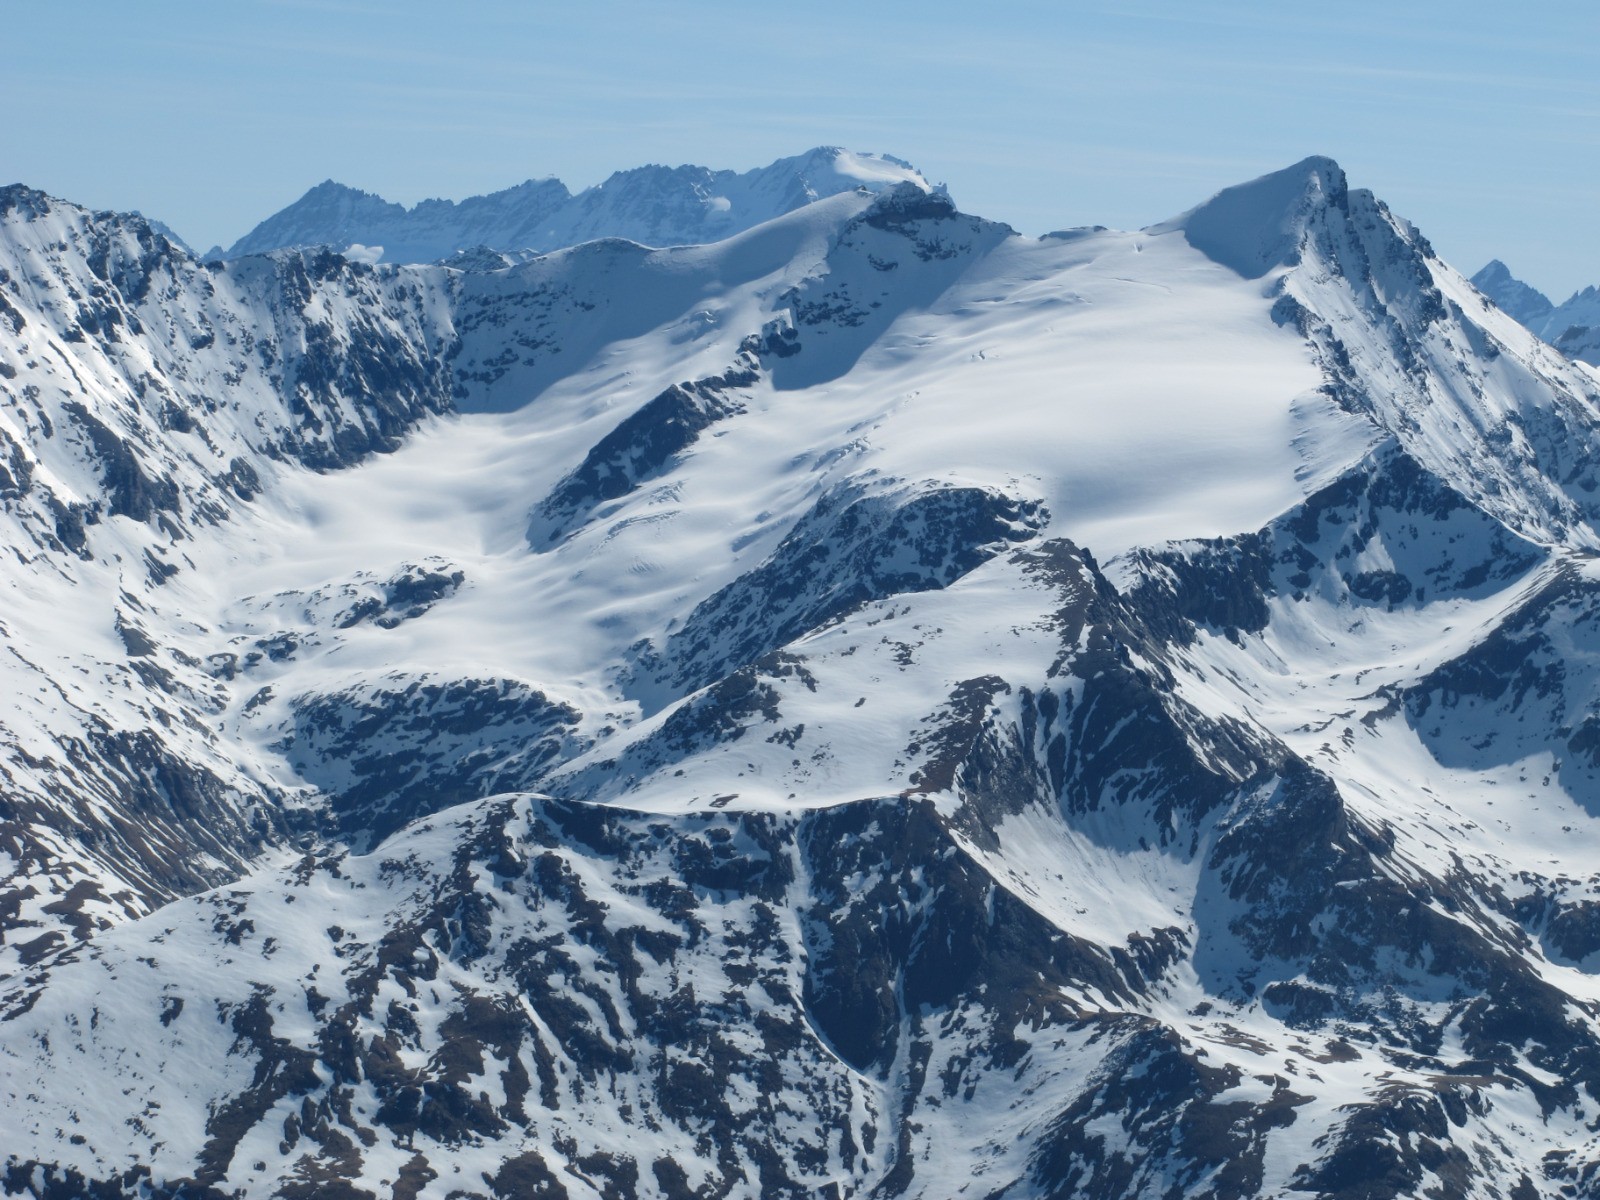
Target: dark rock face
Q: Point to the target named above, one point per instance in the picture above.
(1389, 535)
(129, 491)
(404, 597)
(853, 547)
(354, 389)
(924, 938)
(1573, 930)
(1155, 1083)
(641, 447)
(1523, 691)
(399, 750)
(143, 796)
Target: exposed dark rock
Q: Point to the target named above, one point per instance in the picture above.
(401, 749)
(1437, 544)
(641, 447)
(129, 490)
(852, 548)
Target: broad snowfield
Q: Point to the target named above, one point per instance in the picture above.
(876, 705)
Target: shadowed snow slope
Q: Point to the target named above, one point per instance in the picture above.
(872, 702)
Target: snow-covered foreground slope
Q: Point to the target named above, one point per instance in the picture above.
(873, 706)
(655, 205)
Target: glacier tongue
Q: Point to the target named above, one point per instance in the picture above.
(871, 702)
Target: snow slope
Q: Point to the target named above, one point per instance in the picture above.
(873, 702)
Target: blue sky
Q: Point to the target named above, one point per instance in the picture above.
(1478, 121)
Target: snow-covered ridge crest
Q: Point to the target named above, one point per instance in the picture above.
(1253, 227)
(1406, 340)
(654, 205)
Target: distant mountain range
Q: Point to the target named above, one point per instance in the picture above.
(1572, 327)
(653, 205)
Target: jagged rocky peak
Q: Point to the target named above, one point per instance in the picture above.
(19, 196)
(655, 205)
(1527, 304)
(330, 195)
(330, 213)
(333, 214)
(1573, 326)
(101, 235)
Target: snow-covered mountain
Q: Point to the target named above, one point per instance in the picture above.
(1573, 327)
(874, 706)
(655, 205)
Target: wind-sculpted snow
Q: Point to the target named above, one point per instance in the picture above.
(1254, 227)
(897, 255)
(876, 706)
